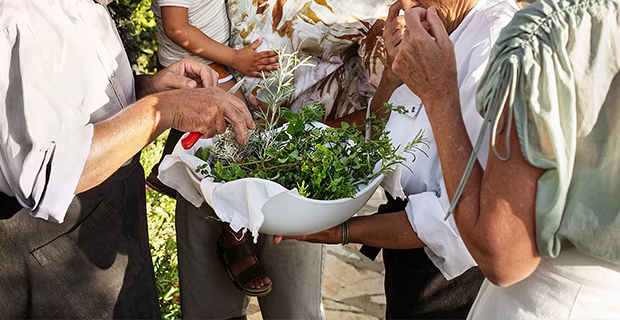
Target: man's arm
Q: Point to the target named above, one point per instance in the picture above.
(204, 110)
(389, 82)
(119, 138)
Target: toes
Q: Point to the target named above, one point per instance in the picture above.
(266, 280)
(257, 284)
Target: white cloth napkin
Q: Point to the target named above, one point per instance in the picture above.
(237, 202)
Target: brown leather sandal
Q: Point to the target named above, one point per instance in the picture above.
(228, 256)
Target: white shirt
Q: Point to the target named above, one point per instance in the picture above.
(62, 69)
(209, 16)
(424, 185)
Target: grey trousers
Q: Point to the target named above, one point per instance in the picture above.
(96, 264)
(207, 292)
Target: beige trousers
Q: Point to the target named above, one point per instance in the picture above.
(207, 292)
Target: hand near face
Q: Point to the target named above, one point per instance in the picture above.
(393, 32)
(425, 60)
(408, 4)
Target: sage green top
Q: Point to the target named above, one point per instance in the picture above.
(556, 68)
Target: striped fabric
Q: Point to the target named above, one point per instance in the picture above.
(207, 15)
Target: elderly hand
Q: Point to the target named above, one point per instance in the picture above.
(187, 73)
(204, 110)
(329, 236)
(393, 32)
(425, 59)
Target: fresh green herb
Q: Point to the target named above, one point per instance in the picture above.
(202, 153)
(322, 163)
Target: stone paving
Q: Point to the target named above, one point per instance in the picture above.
(352, 283)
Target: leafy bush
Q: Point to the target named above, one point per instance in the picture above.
(136, 24)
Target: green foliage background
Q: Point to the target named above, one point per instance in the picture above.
(138, 30)
(160, 213)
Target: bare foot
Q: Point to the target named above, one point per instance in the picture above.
(231, 239)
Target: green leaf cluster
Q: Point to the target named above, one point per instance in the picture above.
(322, 163)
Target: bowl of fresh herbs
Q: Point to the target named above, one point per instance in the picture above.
(331, 172)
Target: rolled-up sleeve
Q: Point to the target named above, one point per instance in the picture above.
(444, 245)
(43, 143)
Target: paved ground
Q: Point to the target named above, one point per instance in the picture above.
(352, 284)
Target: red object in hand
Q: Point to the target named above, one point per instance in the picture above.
(191, 139)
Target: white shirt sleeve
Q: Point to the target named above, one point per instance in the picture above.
(175, 3)
(42, 148)
(444, 245)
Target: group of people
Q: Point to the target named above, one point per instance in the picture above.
(513, 212)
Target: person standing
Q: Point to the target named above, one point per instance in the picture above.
(201, 29)
(428, 271)
(542, 220)
(72, 205)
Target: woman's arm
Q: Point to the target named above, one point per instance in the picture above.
(389, 231)
(247, 61)
(495, 214)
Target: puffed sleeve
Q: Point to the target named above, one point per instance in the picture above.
(44, 141)
(444, 245)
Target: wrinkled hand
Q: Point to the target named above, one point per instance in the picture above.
(251, 63)
(425, 59)
(393, 32)
(207, 111)
(329, 236)
(187, 73)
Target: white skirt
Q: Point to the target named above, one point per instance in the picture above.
(572, 286)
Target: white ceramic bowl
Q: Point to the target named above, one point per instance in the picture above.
(290, 214)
